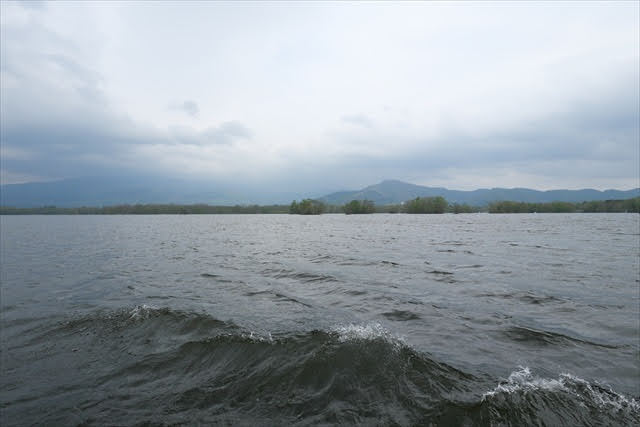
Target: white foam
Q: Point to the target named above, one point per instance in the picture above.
(369, 331)
(141, 312)
(523, 381)
(361, 332)
(257, 337)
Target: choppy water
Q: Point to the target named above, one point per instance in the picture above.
(277, 320)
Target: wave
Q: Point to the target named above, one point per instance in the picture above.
(351, 261)
(440, 272)
(276, 296)
(442, 276)
(540, 337)
(401, 315)
(166, 366)
(169, 366)
(305, 277)
(566, 400)
(527, 297)
(523, 381)
(141, 325)
(368, 332)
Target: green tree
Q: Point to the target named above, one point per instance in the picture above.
(426, 205)
(359, 207)
(457, 208)
(307, 207)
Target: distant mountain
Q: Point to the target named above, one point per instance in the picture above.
(393, 191)
(107, 191)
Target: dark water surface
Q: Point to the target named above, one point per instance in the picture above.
(278, 320)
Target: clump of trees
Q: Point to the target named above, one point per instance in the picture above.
(307, 207)
(524, 207)
(426, 205)
(458, 208)
(359, 207)
(629, 205)
(395, 208)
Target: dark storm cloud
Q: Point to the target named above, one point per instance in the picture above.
(93, 143)
(72, 148)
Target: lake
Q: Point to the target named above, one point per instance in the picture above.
(400, 319)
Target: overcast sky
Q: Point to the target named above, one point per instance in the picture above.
(323, 96)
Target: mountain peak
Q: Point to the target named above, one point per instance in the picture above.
(393, 181)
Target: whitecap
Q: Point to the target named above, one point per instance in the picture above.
(258, 337)
(369, 332)
(523, 381)
(141, 312)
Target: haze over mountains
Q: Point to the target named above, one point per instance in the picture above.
(108, 191)
(130, 190)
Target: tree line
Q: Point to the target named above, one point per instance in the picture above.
(419, 205)
(595, 206)
(439, 205)
(147, 209)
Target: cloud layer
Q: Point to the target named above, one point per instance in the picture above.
(320, 97)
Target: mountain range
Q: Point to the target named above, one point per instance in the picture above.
(393, 191)
(108, 191)
(98, 191)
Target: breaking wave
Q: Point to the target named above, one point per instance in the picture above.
(166, 367)
(565, 400)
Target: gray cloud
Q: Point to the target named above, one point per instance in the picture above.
(535, 113)
(33, 4)
(57, 121)
(358, 120)
(189, 107)
(224, 134)
(594, 143)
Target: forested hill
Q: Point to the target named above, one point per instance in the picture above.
(393, 191)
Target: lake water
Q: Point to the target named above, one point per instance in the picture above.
(275, 320)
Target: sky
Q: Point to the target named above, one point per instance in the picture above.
(323, 96)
